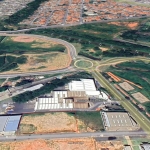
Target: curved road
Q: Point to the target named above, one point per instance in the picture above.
(71, 52)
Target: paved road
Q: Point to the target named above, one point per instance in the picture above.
(71, 51)
(72, 135)
(140, 118)
(69, 25)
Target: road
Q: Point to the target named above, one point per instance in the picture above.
(71, 52)
(139, 117)
(72, 135)
(69, 25)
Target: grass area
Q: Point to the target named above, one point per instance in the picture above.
(92, 36)
(2, 80)
(137, 72)
(140, 35)
(69, 122)
(133, 2)
(83, 64)
(24, 13)
(26, 128)
(91, 120)
(8, 62)
(10, 46)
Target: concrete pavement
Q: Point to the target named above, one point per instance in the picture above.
(125, 103)
(72, 135)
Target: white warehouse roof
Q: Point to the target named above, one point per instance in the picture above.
(83, 85)
(34, 87)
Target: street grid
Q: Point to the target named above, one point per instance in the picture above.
(69, 12)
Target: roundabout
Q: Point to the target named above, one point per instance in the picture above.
(83, 64)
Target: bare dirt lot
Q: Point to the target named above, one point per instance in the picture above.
(62, 144)
(130, 25)
(47, 123)
(104, 49)
(39, 61)
(140, 97)
(43, 62)
(26, 39)
(126, 86)
(61, 122)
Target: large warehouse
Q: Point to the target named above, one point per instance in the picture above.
(63, 100)
(119, 121)
(9, 124)
(75, 95)
(87, 85)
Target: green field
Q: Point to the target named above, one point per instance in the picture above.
(83, 121)
(8, 62)
(137, 72)
(10, 46)
(140, 35)
(83, 64)
(90, 119)
(95, 36)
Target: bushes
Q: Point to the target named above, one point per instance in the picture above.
(48, 87)
(21, 60)
(24, 13)
(11, 62)
(147, 105)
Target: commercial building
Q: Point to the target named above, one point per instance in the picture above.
(145, 146)
(75, 95)
(119, 121)
(63, 100)
(9, 124)
(87, 85)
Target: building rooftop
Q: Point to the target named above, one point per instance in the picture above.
(9, 123)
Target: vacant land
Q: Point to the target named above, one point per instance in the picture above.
(89, 121)
(61, 122)
(140, 34)
(136, 72)
(130, 25)
(27, 54)
(25, 44)
(140, 97)
(94, 36)
(47, 123)
(126, 86)
(62, 144)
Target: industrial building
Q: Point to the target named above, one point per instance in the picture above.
(63, 100)
(9, 124)
(75, 95)
(145, 146)
(119, 121)
(87, 85)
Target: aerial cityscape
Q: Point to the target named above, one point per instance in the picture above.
(75, 75)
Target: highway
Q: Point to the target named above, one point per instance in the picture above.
(139, 117)
(72, 135)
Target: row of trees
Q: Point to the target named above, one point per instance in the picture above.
(48, 87)
(74, 35)
(24, 13)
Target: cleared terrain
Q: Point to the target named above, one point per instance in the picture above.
(27, 54)
(62, 144)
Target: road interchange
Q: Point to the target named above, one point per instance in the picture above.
(97, 75)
